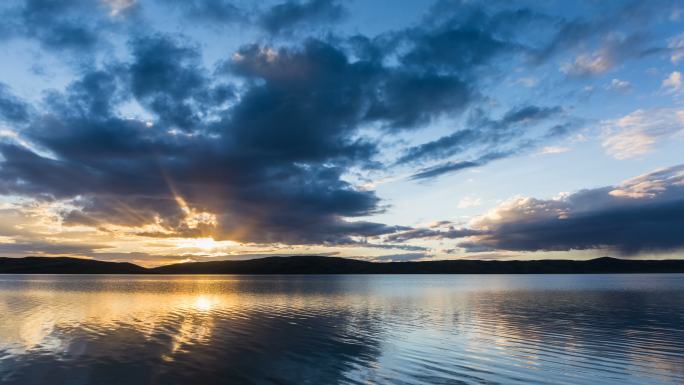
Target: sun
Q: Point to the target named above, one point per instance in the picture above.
(205, 244)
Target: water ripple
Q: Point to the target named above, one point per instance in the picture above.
(613, 329)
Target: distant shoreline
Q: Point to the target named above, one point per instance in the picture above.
(337, 265)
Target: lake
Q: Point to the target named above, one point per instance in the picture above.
(353, 329)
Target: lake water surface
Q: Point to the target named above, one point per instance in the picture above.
(435, 329)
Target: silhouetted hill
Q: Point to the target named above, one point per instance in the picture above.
(305, 264)
(64, 265)
(336, 265)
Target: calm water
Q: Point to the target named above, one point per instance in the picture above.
(459, 329)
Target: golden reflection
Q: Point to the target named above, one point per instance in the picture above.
(204, 303)
(49, 322)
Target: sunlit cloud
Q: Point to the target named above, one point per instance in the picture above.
(673, 83)
(639, 132)
(588, 64)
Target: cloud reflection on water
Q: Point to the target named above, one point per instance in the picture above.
(436, 329)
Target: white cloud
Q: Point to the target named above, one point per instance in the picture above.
(553, 150)
(638, 132)
(615, 49)
(588, 64)
(619, 85)
(521, 209)
(673, 83)
(650, 185)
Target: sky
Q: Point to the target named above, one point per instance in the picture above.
(159, 132)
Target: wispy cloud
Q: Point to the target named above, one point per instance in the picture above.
(673, 83)
(619, 85)
(469, 201)
(640, 131)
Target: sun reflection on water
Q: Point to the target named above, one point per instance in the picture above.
(44, 321)
(204, 303)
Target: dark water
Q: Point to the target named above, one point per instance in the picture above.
(461, 329)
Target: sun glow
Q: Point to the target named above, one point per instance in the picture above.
(206, 244)
(204, 303)
(194, 218)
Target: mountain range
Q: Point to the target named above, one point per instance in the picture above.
(308, 264)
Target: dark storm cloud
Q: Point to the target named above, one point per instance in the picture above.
(310, 102)
(167, 78)
(318, 97)
(283, 18)
(56, 26)
(644, 214)
(466, 36)
(77, 25)
(12, 109)
(408, 99)
(293, 14)
(454, 46)
(214, 11)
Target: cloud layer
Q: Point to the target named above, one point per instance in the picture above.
(264, 143)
